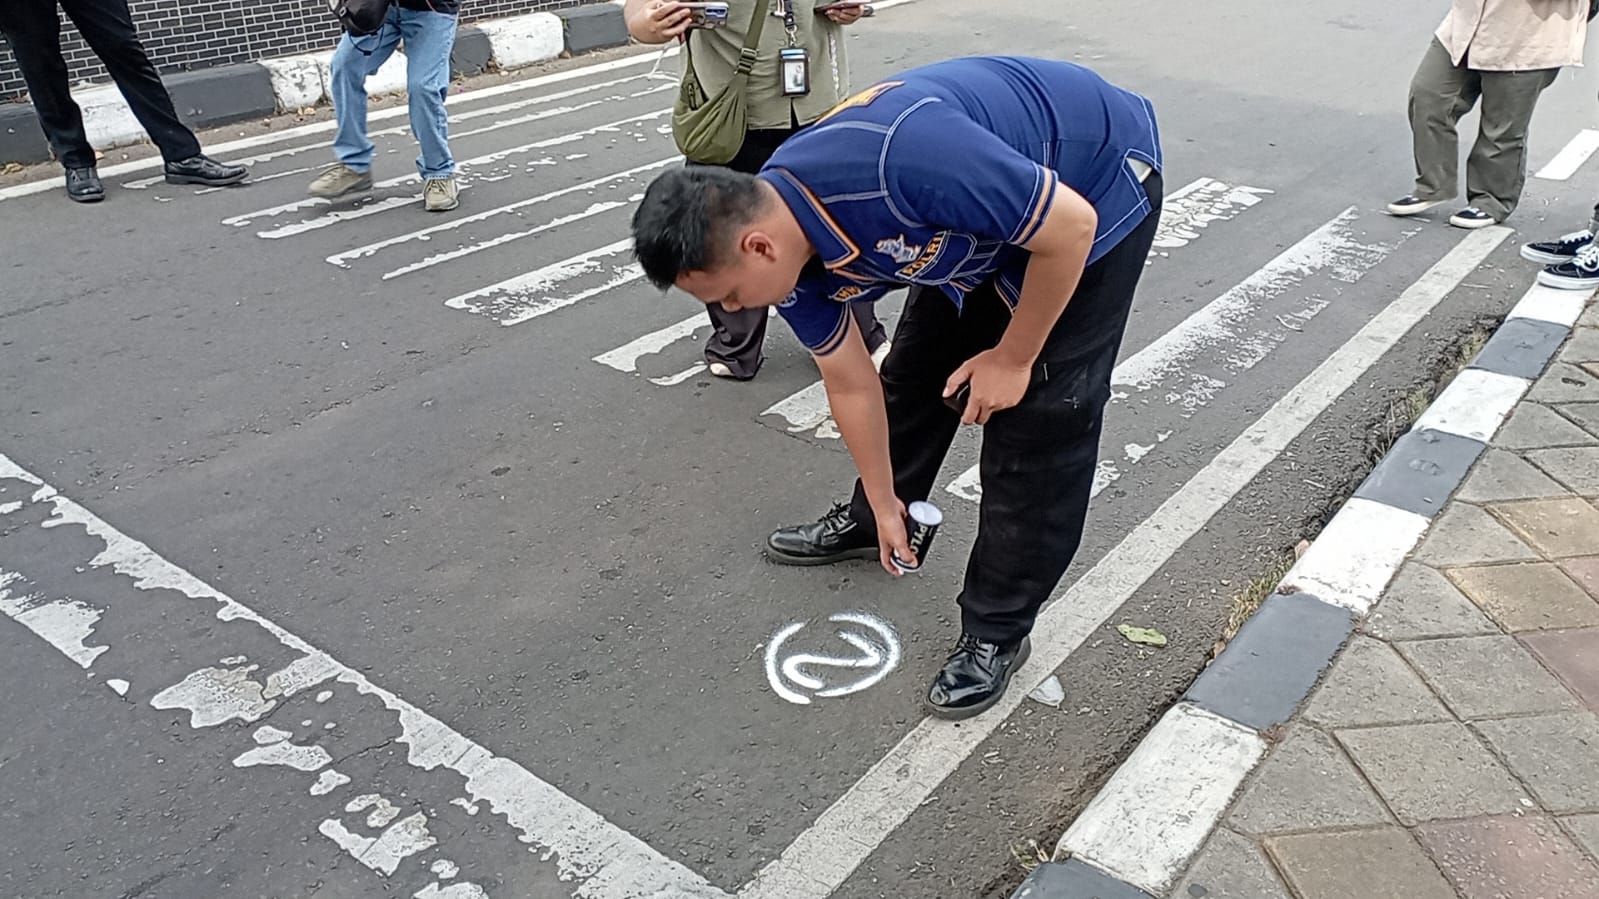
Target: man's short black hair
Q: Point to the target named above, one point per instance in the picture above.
(688, 218)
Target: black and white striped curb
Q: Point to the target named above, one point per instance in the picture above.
(1138, 835)
(224, 94)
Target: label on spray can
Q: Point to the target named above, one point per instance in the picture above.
(925, 519)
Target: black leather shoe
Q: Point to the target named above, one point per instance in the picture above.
(975, 676)
(83, 185)
(835, 537)
(205, 170)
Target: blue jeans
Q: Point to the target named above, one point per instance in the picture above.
(429, 37)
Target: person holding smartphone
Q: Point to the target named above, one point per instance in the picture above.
(781, 102)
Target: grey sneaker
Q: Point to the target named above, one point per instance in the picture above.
(339, 180)
(440, 194)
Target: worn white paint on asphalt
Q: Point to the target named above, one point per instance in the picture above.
(598, 859)
(850, 830)
(1234, 326)
(1185, 213)
(344, 258)
(1571, 156)
(466, 166)
(1152, 816)
(532, 294)
(227, 148)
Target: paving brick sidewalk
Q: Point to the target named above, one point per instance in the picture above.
(1453, 748)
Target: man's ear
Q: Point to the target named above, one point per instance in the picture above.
(759, 243)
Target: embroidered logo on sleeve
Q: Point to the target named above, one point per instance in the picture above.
(898, 250)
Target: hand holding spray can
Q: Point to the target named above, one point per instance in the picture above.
(925, 519)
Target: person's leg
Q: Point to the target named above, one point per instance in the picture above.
(32, 28)
(1440, 93)
(928, 346)
(1038, 463)
(1496, 170)
(354, 60)
(107, 27)
(429, 37)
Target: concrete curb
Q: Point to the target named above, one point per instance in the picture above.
(226, 94)
(1144, 827)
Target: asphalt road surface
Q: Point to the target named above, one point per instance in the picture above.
(348, 550)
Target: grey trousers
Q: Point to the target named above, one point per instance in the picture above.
(1440, 93)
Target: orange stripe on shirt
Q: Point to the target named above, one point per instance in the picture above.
(1045, 195)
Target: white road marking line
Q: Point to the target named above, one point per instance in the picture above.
(343, 259)
(625, 357)
(455, 119)
(260, 179)
(595, 857)
(1225, 324)
(377, 115)
(1571, 156)
(1185, 212)
(822, 857)
(1128, 829)
(528, 296)
(437, 258)
(387, 203)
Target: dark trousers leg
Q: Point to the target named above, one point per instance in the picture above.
(107, 26)
(932, 340)
(1039, 458)
(33, 30)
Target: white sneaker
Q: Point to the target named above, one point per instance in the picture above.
(720, 370)
(440, 194)
(1471, 218)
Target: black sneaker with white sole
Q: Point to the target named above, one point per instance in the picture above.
(1471, 218)
(1561, 250)
(1410, 204)
(1581, 273)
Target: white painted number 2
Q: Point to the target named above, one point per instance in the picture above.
(797, 676)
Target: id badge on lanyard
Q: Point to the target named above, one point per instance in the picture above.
(793, 63)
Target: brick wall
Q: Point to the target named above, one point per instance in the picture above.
(194, 34)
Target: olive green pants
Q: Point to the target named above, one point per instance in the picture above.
(1440, 93)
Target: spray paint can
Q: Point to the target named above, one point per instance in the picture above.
(925, 519)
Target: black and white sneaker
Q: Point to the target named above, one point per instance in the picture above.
(1410, 204)
(1471, 218)
(1561, 250)
(1581, 273)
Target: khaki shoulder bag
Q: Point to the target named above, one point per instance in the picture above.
(711, 129)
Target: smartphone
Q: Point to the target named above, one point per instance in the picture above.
(706, 15)
(865, 8)
(957, 400)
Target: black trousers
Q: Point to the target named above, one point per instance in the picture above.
(738, 337)
(1039, 457)
(33, 29)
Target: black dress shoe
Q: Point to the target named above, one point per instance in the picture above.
(83, 185)
(835, 537)
(204, 170)
(975, 676)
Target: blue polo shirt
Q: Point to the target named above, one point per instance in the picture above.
(936, 176)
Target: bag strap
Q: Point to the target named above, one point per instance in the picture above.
(752, 37)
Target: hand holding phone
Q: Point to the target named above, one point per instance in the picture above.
(844, 12)
(706, 15)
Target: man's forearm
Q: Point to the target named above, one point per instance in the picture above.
(863, 423)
